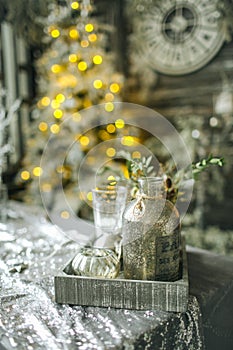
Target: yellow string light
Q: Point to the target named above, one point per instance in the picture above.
(55, 33)
(84, 43)
(89, 27)
(136, 154)
(111, 128)
(56, 68)
(103, 135)
(84, 140)
(97, 84)
(127, 141)
(97, 59)
(73, 58)
(73, 33)
(37, 171)
(45, 101)
(109, 107)
(25, 175)
(65, 214)
(58, 113)
(114, 87)
(92, 37)
(82, 66)
(111, 152)
(119, 123)
(75, 5)
(109, 97)
(60, 98)
(55, 129)
(89, 196)
(43, 126)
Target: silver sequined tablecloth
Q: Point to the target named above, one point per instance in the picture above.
(31, 251)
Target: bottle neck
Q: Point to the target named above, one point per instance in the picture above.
(152, 187)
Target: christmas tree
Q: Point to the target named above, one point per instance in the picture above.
(75, 72)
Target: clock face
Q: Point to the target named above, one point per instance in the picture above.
(176, 36)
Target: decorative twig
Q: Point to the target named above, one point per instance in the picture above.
(6, 116)
(202, 165)
(5, 120)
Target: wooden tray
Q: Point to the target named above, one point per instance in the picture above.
(123, 293)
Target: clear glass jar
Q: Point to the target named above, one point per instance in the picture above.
(96, 262)
(151, 235)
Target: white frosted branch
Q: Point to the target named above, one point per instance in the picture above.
(6, 118)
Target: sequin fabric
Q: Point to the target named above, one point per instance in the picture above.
(31, 252)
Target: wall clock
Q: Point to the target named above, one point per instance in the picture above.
(177, 37)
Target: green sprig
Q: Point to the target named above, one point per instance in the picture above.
(204, 164)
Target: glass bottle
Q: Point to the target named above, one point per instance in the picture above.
(151, 234)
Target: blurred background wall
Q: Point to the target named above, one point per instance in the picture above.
(198, 102)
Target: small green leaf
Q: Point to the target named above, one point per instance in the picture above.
(204, 162)
(149, 159)
(218, 161)
(150, 169)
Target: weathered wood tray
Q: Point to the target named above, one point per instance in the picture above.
(123, 293)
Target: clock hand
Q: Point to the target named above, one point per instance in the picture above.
(178, 10)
